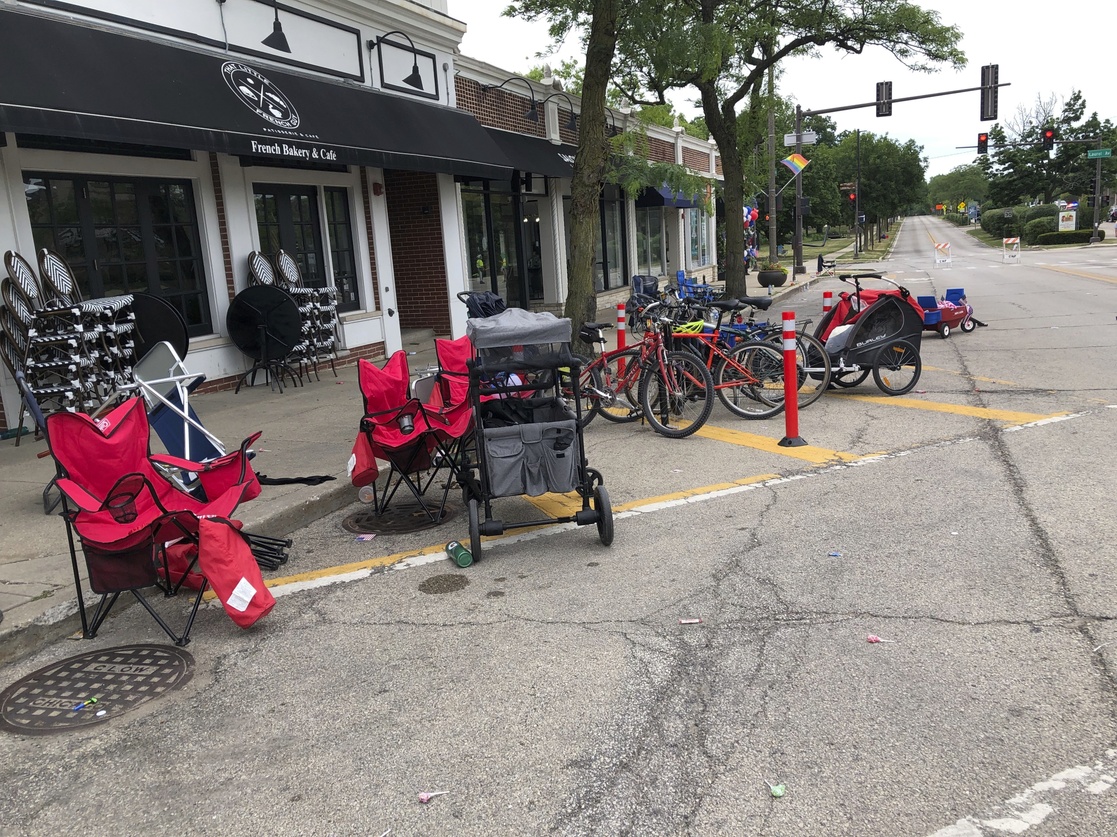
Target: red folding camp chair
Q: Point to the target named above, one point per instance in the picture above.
(417, 440)
(126, 511)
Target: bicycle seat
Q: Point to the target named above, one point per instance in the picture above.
(597, 325)
(725, 304)
(761, 302)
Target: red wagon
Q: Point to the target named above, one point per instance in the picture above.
(946, 314)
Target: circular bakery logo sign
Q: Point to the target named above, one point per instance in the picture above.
(260, 95)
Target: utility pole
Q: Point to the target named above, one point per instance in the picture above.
(771, 168)
(797, 242)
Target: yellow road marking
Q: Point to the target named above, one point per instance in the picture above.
(808, 453)
(1010, 416)
(1081, 273)
(970, 377)
(564, 505)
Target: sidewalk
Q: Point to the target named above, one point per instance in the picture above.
(307, 431)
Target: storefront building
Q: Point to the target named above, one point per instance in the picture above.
(156, 145)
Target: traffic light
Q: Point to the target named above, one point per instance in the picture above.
(982, 143)
(1091, 201)
(852, 196)
(1048, 139)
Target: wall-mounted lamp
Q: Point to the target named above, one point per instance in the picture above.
(415, 79)
(532, 114)
(572, 125)
(277, 40)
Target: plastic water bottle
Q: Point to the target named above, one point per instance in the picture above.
(459, 554)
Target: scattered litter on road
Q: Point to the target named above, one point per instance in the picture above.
(101, 712)
(364, 538)
(920, 391)
(693, 621)
(874, 639)
(954, 533)
(85, 703)
(427, 796)
(386, 833)
(834, 554)
(776, 790)
(1100, 647)
(676, 470)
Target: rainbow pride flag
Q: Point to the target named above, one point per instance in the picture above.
(796, 162)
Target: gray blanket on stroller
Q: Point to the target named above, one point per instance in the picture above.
(516, 327)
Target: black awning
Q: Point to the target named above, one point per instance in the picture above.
(663, 196)
(536, 155)
(69, 80)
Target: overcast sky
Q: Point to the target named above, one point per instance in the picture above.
(1043, 51)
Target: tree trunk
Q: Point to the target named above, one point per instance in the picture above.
(589, 166)
(723, 128)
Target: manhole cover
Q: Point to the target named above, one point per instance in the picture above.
(104, 684)
(398, 520)
(450, 583)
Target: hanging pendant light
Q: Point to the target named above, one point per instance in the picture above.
(277, 40)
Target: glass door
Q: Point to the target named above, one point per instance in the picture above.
(287, 219)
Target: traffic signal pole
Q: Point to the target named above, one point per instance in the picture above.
(988, 112)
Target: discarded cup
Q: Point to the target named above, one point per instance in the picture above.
(459, 554)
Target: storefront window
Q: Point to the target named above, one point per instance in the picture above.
(124, 235)
(699, 237)
(609, 268)
(340, 230)
(649, 241)
(495, 240)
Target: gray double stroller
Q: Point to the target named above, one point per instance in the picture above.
(528, 436)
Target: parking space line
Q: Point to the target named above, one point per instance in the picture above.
(808, 453)
(1007, 416)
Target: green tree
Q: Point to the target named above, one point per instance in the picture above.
(1020, 170)
(967, 183)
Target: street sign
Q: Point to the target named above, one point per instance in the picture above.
(846, 186)
(1099, 152)
(808, 138)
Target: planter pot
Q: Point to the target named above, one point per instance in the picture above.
(771, 278)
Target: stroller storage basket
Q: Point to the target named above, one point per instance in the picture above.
(534, 458)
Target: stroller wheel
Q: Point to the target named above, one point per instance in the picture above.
(604, 515)
(475, 529)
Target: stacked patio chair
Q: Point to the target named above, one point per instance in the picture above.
(112, 319)
(51, 345)
(261, 272)
(321, 330)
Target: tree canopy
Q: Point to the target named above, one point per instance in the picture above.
(724, 49)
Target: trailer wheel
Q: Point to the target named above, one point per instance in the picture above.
(604, 515)
(944, 331)
(897, 368)
(475, 529)
(849, 379)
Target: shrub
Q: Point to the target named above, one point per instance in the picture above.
(994, 222)
(1038, 226)
(1069, 237)
(957, 218)
(1044, 210)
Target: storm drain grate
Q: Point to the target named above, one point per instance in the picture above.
(398, 520)
(92, 688)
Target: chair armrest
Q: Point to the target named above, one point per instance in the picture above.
(78, 495)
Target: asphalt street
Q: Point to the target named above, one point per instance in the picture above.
(560, 687)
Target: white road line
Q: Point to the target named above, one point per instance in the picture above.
(1031, 807)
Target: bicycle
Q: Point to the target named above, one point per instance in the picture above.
(672, 390)
(748, 377)
(812, 360)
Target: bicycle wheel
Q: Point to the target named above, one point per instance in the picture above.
(813, 363)
(749, 381)
(589, 383)
(897, 368)
(618, 387)
(677, 398)
(849, 379)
